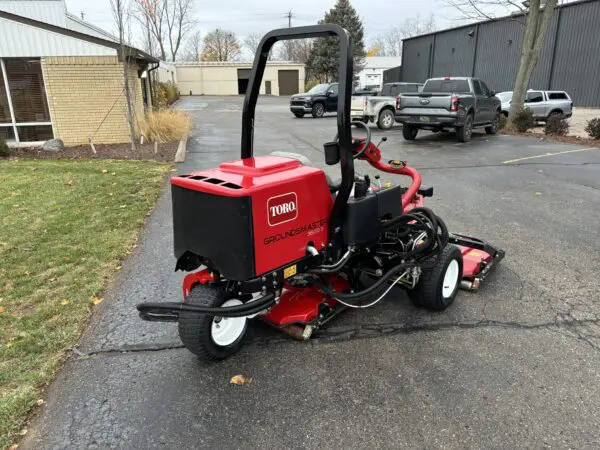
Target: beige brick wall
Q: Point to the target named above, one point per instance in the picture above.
(86, 98)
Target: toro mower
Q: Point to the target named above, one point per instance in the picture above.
(274, 238)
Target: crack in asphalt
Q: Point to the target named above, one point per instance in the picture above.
(385, 329)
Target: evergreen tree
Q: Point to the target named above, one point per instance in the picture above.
(323, 61)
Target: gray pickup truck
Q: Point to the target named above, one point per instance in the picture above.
(380, 108)
(459, 103)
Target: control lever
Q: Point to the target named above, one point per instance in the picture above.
(383, 139)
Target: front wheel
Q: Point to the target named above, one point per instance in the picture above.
(386, 119)
(318, 110)
(409, 132)
(440, 280)
(211, 337)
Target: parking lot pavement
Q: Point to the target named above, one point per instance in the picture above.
(515, 365)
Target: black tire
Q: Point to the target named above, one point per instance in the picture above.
(299, 115)
(195, 329)
(430, 292)
(318, 110)
(495, 126)
(409, 132)
(556, 113)
(464, 133)
(386, 119)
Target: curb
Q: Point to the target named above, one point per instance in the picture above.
(182, 149)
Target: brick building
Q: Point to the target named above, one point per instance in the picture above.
(64, 78)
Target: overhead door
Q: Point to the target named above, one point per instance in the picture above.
(243, 79)
(288, 82)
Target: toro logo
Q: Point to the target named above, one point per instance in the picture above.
(282, 208)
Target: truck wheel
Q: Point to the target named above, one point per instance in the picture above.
(439, 281)
(386, 119)
(209, 337)
(318, 110)
(299, 115)
(463, 134)
(409, 132)
(495, 126)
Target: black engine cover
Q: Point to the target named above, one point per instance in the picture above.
(216, 228)
(364, 216)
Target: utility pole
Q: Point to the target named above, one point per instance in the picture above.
(82, 15)
(289, 16)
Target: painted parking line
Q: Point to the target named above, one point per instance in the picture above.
(550, 154)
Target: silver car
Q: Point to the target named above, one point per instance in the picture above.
(543, 104)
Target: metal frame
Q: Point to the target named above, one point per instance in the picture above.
(14, 122)
(345, 75)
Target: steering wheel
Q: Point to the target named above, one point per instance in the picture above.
(367, 141)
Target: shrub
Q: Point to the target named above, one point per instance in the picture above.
(165, 125)
(4, 151)
(556, 126)
(593, 128)
(502, 121)
(523, 120)
(311, 84)
(166, 94)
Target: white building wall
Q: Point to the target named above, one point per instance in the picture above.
(49, 11)
(21, 41)
(372, 74)
(204, 79)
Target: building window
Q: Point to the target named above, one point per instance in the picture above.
(23, 101)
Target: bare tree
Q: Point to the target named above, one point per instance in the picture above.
(152, 13)
(178, 15)
(296, 50)
(251, 42)
(390, 43)
(169, 21)
(193, 47)
(120, 10)
(536, 15)
(220, 45)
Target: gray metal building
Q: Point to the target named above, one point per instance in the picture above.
(490, 50)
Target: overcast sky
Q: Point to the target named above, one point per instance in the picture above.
(248, 16)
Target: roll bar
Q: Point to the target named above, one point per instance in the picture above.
(345, 78)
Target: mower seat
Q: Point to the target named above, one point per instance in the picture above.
(334, 185)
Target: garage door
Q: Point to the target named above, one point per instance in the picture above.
(243, 79)
(288, 82)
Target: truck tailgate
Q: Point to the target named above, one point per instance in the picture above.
(434, 102)
(358, 105)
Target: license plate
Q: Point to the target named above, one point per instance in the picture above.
(424, 119)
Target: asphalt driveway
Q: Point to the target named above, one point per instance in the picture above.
(515, 365)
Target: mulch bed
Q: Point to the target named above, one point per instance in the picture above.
(166, 152)
(564, 139)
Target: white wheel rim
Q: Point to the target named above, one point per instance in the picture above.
(450, 279)
(226, 330)
(387, 119)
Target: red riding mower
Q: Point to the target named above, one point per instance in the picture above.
(275, 238)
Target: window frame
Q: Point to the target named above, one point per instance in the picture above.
(13, 122)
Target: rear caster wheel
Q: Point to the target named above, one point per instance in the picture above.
(440, 280)
(211, 337)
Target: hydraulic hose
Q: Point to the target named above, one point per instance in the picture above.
(246, 309)
(368, 291)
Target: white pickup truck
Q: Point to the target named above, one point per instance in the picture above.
(381, 108)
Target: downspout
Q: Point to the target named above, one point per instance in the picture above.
(152, 90)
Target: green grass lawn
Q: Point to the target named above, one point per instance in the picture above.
(64, 228)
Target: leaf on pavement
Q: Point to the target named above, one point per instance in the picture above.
(96, 300)
(240, 380)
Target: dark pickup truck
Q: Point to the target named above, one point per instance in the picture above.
(320, 99)
(459, 103)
